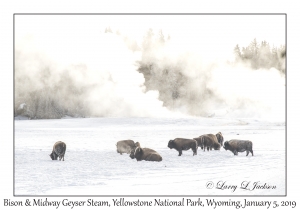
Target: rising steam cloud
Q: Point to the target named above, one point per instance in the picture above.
(112, 76)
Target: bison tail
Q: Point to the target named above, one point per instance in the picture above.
(251, 144)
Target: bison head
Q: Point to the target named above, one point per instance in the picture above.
(53, 156)
(217, 146)
(171, 144)
(137, 144)
(220, 138)
(138, 153)
(226, 145)
(132, 154)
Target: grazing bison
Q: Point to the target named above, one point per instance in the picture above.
(236, 146)
(59, 150)
(183, 144)
(145, 154)
(220, 138)
(208, 141)
(125, 146)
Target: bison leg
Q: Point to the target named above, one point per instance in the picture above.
(251, 152)
(61, 157)
(180, 152)
(247, 153)
(235, 152)
(194, 152)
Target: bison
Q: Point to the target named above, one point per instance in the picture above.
(125, 146)
(208, 141)
(145, 154)
(59, 150)
(220, 138)
(183, 144)
(236, 146)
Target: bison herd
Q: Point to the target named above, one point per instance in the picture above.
(205, 142)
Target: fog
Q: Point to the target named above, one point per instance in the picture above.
(70, 66)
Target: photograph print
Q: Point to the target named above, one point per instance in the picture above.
(149, 104)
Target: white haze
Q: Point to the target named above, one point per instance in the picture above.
(105, 65)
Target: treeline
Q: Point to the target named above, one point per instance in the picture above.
(261, 55)
(171, 76)
(44, 98)
(192, 93)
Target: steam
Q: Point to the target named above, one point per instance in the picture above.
(110, 75)
(199, 84)
(100, 81)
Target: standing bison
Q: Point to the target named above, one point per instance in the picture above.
(236, 146)
(220, 138)
(125, 146)
(59, 150)
(208, 141)
(145, 154)
(183, 144)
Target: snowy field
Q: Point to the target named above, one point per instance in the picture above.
(93, 167)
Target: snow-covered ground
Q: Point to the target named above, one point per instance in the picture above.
(93, 167)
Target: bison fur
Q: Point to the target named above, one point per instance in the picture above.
(145, 154)
(125, 146)
(220, 138)
(59, 150)
(236, 146)
(181, 144)
(208, 141)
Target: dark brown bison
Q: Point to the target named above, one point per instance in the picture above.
(236, 146)
(183, 144)
(125, 146)
(59, 150)
(208, 141)
(145, 154)
(220, 138)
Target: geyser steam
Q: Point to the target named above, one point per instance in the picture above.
(111, 76)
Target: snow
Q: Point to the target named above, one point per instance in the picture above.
(93, 167)
(20, 117)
